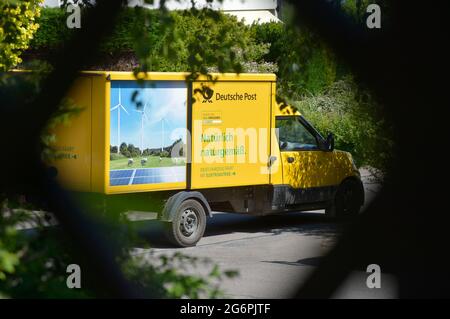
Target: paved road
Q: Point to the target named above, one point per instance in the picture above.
(272, 254)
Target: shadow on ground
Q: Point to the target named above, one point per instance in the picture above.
(305, 223)
(312, 261)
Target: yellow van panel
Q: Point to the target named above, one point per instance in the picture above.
(309, 169)
(100, 116)
(230, 133)
(73, 140)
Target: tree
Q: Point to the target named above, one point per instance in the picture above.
(133, 150)
(305, 64)
(352, 114)
(123, 148)
(17, 26)
(164, 154)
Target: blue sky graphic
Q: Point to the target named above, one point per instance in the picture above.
(166, 101)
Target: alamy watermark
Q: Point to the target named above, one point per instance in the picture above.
(73, 21)
(228, 145)
(374, 279)
(373, 20)
(74, 279)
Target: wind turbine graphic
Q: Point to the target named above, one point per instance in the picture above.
(164, 124)
(143, 116)
(162, 136)
(118, 107)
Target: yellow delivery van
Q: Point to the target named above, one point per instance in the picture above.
(185, 148)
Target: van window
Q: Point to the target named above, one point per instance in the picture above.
(293, 135)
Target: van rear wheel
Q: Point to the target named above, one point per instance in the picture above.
(188, 224)
(347, 201)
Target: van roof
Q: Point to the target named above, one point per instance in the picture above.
(174, 76)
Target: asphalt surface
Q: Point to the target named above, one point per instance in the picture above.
(273, 255)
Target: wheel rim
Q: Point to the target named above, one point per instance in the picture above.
(189, 222)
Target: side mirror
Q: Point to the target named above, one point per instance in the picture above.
(330, 142)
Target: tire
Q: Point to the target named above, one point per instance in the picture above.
(347, 200)
(188, 224)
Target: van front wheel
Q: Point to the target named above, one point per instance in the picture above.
(188, 224)
(347, 201)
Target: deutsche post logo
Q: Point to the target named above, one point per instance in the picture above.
(206, 92)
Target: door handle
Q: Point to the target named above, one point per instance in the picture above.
(290, 159)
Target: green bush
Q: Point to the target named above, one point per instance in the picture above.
(164, 154)
(52, 32)
(305, 64)
(353, 116)
(192, 40)
(17, 26)
(115, 156)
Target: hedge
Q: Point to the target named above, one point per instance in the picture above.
(167, 48)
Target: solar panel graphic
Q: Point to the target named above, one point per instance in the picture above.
(120, 177)
(147, 176)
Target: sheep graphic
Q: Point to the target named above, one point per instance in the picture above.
(130, 162)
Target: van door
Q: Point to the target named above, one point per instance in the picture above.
(305, 166)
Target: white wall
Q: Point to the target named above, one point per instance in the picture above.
(249, 10)
(226, 5)
(51, 3)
